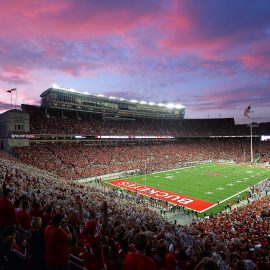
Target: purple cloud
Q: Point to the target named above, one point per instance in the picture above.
(204, 55)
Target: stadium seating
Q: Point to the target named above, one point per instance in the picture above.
(54, 122)
(74, 160)
(96, 225)
(101, 224)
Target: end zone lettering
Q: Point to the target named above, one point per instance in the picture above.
(174, 198)
(155, 192)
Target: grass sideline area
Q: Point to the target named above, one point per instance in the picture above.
(210, 182)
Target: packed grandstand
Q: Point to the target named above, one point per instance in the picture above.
(49, 219)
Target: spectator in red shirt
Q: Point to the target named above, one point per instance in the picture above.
(7, 208)
(170, 259)
(138, 260)
(94, 257)
(36, 210)
(24, 219)
(57, 236)
(91, 239)
(46, 218)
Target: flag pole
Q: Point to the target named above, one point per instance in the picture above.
(247, 111)
(145, 173)
(251, 138)
(251, 143)
(10, 91)
(16, 98)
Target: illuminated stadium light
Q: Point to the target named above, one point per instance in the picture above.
(179, 106)
(74, 91)
(170, 106)
(55, 86)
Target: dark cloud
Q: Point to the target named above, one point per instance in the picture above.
(219, 19)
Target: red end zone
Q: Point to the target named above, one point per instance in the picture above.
(179, 199)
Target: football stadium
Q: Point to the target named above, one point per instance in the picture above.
(135, 135)
(105, 172)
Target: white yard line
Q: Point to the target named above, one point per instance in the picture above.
(232, 196)
(198, 175)
(182, 168)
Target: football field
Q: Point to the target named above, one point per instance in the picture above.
(201, 187)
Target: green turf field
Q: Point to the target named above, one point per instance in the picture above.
(210, 182)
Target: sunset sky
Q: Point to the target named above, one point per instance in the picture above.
(212, 56)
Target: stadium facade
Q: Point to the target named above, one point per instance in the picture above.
(109, 107)
(14, 122)
(67, 115)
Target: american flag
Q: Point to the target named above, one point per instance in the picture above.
(247, 111)
(11, 90)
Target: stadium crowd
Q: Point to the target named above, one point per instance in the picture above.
(66, 122)
(46, 221)
(49, 222)
(265, 152)
(76, 160)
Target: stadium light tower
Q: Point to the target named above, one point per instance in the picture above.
(145, 168)
(251, 144)
(251, 124)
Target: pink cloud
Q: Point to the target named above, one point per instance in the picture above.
(152, 46)
(44, 7)
(69, 19)
(15, 70)
(258, 62)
